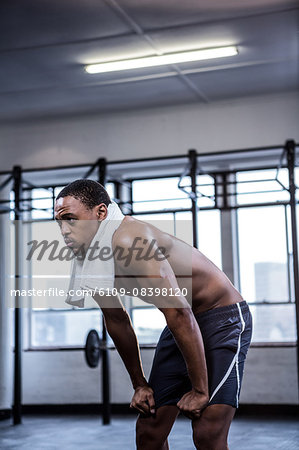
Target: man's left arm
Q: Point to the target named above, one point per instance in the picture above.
(154, 275)
(182, 324)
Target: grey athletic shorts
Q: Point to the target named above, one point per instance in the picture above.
(226, 333)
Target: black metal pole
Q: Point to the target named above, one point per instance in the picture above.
(17, 403)
(131, 197)
(105, 354)
(118, 189)
(193, 169)
(105, 379)
(290, 151)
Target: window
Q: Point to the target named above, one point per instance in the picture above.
(158, 194)
(260, 186)
(209, 235)
(148, 323)
(265, 254)
(63, 328)
(205, 191)
(42, 204)
(274, 323)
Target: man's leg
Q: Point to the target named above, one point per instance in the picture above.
(210, 431)
(152, 431)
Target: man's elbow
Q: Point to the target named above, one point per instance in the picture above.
(178, 317)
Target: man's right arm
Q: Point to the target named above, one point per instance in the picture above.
(120, 329)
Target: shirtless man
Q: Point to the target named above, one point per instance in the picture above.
(199, 360)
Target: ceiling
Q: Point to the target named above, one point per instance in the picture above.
(44, 45)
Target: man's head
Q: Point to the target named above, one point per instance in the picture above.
(77, 203)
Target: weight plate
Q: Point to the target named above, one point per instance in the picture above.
(93, 349)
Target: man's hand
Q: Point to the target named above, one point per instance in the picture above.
(143, 400)
(192, 404)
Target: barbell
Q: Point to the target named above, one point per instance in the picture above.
(94, 346)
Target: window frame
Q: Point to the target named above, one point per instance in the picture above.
(173, 211)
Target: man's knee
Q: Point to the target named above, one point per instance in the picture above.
(209, 436)
(147, 432)
(152, 431)
(211, 430)
(144, 430)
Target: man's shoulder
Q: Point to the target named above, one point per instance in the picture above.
(131, 242)
(129, 230)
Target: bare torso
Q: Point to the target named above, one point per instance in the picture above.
(206, 285)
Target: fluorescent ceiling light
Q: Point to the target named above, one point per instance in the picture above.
(170, 58)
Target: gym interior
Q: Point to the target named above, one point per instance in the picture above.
(206, 148)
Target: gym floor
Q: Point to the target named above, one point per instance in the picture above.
(87, 432)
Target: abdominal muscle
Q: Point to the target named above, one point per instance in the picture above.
(209, 287)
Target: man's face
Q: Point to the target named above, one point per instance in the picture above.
(77, 223)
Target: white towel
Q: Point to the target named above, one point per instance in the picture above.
(98, 273)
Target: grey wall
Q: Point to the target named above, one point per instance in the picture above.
(249, 122)
(270, 377)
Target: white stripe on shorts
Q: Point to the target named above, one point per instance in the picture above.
(234, 361)
(239, 347)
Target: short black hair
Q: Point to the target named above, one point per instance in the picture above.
(89, 192)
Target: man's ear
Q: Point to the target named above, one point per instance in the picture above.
(101, 211)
